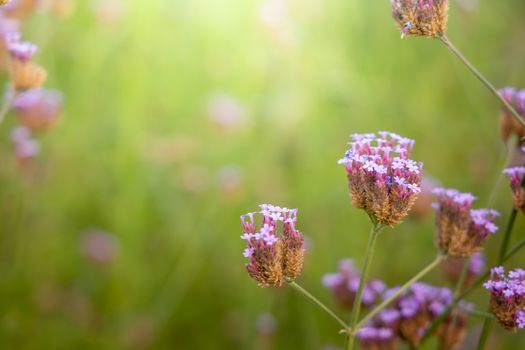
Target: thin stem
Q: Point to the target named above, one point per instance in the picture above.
(401, 290)
(318, 302)
(480, 76)
(487, 325)
(10, 97)
(478, 313)
(437, 321)
(356, 309)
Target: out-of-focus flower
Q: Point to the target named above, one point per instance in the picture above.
(453, 267)
(24, 146)
(375, 338)
(515, 176)
(226, 112)
(20, 9)
(276, 252)
(423, 205)
(421, 17)
(4, 2)
(62, 8)
(382, 179)
(99, 246)
(266, 324)
(25, 74)
(38, 109)
(507, 297)
(461, 230)
(452, 330)
(344, 284)
(229, 179)
(509, 126)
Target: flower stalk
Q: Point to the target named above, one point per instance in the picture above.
(400, 291)
(356, 309)
(445, 40)
(316, 301)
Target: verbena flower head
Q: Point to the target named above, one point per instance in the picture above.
(25, 74)
(344, 284)
(377, 338)
(38, 109)
(507, 297)
(382, 179)
(453, 266)
(25, 147)
(508, 124)
(412, 312)
(275, 248)
(421, 17)
(515, 176)
(461, 230)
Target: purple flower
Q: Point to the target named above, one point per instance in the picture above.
(382, 179)
(38, 109)
(275, 249)
(515, 176)
(461, 230)
(507, 297)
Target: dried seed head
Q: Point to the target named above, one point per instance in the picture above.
(382, 179)
(515, 176)
(426, 18)
(27, 75)
(461, 230)
(509, 126)
(344, 284)
(507, 297)
(38, 109)
(275, 250)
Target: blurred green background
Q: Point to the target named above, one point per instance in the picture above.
(181, 115)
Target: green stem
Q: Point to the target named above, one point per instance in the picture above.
(10, 97)
(480, 76)
(317, 302)
(401, 290)
(487, 325)
(356, 309)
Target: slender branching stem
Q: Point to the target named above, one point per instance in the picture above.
(10, 97)
(317, 302)
(356, 309)
(480, 76)
(487, 324)
(400, 291)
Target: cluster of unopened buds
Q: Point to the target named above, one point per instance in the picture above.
(35, 107)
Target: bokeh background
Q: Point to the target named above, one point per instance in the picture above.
(181, 115)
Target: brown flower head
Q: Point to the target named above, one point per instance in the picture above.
(421, 17)
(461, 230)
(507, 297)
(382, 179)
(275, 250)
(516, 185)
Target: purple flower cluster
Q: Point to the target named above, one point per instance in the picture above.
(515, 176)
(382, 179)
(25, 147)
(344, 284)
(372, 338)
(21, 50)
(38, 109)
(508, 125)
(461, 230)
(507, 297)
(275, 249)
(410, 315)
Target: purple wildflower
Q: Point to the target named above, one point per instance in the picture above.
(507, 297)
(515, 176)
(382, 179)
(461, 230)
